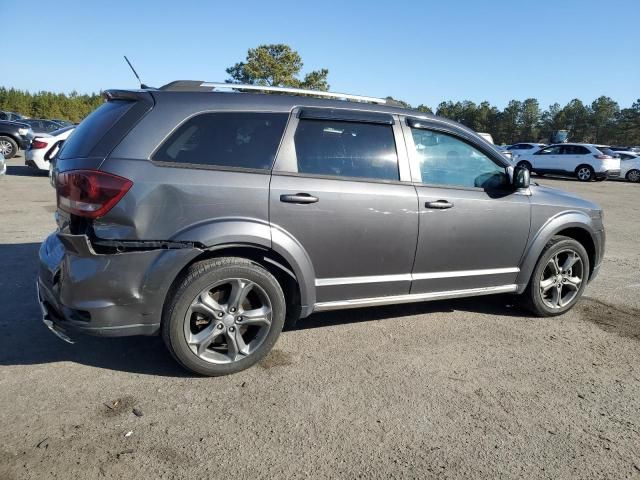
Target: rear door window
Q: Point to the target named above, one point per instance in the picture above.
(225, 139)
(346, 149)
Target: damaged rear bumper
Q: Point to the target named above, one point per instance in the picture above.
(115, 294)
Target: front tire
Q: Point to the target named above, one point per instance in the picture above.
(559, 278)
(633, 176)
(8, 147)
(223, 316)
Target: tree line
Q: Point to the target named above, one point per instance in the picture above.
(73, 106)
(602, 121)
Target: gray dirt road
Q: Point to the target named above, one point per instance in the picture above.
(452, 389)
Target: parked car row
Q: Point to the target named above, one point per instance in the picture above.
(17, 132)
(584, 161)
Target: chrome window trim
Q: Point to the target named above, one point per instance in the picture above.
(410, 298)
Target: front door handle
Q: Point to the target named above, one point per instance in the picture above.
(439, 204)
(302, 198)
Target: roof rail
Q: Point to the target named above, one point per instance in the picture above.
(190, 85)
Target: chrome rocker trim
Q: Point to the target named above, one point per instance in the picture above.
(410, 298)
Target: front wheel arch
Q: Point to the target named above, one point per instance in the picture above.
(574, 224)
(543, 300)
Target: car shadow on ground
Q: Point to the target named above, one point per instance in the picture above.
(503, 305)
(24, 339)
(24, 171)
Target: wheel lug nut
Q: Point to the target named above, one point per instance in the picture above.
(220, 314)
(220, 326)
(239, 319)
(232, 329)
(233, 309)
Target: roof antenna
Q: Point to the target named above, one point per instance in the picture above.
(142, 85)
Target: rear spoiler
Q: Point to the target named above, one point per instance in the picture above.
(133, 95)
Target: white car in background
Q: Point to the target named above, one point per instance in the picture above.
(584, 161)
(44, 147)
(518, 149)
(630, 166)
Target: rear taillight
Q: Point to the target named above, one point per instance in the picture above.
(603, 157)
(35, 144)
(89, 193)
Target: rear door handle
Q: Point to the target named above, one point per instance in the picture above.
(302, 198)
(439, 204)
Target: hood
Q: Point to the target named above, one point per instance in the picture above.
(554, 196)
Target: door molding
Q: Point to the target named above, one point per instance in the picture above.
(324, 282)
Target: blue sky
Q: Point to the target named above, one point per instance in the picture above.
(421, 51)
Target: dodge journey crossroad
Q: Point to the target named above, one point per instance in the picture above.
(216, 214)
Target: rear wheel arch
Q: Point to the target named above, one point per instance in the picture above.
(266, 258)
(525, 164)
(585, 165)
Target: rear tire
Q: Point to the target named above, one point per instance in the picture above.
(223, 316)
(525, 164)
(559, 278)
(633, 176)
(8, 147)
(585, 173)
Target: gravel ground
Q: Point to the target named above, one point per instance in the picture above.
(452, 389)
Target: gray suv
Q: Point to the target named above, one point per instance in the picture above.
(214, 218)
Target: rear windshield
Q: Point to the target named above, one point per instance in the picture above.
(93, 128)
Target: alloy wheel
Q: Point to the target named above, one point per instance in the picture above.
(228, 321)
(6, 149)
(561, 279)
(584, 174)
(633, 176)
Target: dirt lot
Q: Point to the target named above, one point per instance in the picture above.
(452, 389)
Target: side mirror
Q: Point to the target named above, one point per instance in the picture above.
(521, 178)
